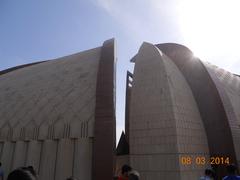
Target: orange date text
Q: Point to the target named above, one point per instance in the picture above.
(202, 160)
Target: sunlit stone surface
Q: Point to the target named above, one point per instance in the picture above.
(179, 107)
(48, 115)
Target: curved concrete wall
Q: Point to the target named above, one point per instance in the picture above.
(209, 102)
(49, 115)
(191, 135)
(228, 86)
(164, 123)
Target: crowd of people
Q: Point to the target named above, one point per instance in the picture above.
(231, 174)
(23, 173)
(29, 173)
(127, 173)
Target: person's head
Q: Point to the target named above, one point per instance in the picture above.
(125, 170)
(20, 174)
(231, 169)
(0, 164)
(32, 170)
(209, 172)
(29, 169)
(134, 175)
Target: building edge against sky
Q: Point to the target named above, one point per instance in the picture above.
(59, 116)
(177, 107)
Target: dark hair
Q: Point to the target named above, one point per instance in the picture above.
(133, 177)
(19, 174)
(32, 170)
(231, 169)
(126, 168)
(0, 164)
(208, 172)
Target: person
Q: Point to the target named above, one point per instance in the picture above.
(134, 175)
(21, 174)
(32, 170)
(208, 175)
(124, 173)
(1, 172)
(231, 170)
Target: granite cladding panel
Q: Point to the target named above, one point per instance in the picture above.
(152, 129)
(209, 101)
(47, 116)
(61, 90)
(228, 86)
(165, 122)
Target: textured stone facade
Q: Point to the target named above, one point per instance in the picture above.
(59, 115)
(179, 108)
(48, 119)
(228, 86)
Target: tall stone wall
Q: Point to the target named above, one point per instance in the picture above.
(48, 115)
(165, 124)
(210, 98)
(228, 86)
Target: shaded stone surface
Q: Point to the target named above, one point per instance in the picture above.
(180, 107)
(50, 115)
(210, 103)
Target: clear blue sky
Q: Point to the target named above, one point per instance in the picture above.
(39, 30)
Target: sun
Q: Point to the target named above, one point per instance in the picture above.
(210, 26)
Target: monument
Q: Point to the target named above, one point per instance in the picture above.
(59, 116)
(182, 115)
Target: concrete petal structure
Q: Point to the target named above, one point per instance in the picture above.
(228, 86)
(181, 115)
(179, 107)
(59, 116)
